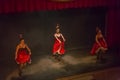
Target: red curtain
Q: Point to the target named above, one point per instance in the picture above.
(113, 24)
(112, 16)
(12, 6)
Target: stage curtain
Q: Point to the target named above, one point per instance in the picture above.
(12, 6)
(113, 30)
(113, 24)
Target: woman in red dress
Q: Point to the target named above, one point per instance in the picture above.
(100, 45)
(20, 38)
(58, 47)
(22, 55)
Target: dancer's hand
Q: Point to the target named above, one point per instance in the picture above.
(30, 53)
(59, 41)
(15, 60)
(64, 40)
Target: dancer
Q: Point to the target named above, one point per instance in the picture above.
(22, 55)
(58, 47)
(21, 37)
(100, 45)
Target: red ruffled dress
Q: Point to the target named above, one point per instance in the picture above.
(58, 46)
(23, 56)
(96, 46)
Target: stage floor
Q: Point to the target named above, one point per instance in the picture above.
(45, 67)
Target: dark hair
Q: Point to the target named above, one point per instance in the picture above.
(21, 39)
(97, 29)
(21, 36)
(58, 26)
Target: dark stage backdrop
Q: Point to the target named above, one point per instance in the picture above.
(77, 26)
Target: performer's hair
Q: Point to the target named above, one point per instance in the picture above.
(21, 39)
(97, 29)
(58, 26)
